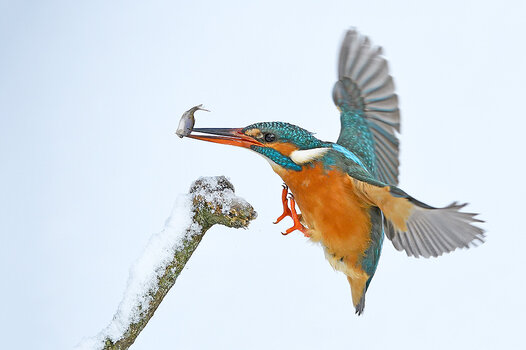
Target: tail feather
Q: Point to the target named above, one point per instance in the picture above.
(361, 305)
(358, 290)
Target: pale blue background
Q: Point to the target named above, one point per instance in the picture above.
(90, 97)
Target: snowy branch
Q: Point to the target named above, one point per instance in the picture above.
(211, 201)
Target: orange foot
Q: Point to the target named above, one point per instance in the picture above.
(297, 224)
(286, 210)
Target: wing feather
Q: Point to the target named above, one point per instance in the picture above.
(449, 225)
(383, 90)
(365, 95)
(419, 229)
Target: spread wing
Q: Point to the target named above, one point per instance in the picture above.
(370, 118)
(417, 228)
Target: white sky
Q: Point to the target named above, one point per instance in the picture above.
(90, 96)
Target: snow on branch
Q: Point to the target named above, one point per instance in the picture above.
(211, 201)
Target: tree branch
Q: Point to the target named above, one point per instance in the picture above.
(210, 201)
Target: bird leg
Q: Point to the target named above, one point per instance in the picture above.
(286, 210)
(297, 224)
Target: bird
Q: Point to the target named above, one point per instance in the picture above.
(347, 191)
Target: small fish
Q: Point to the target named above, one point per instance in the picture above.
(186, 124)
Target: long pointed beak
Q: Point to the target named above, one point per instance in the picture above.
(234, 137)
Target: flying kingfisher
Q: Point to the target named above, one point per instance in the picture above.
(347, 191)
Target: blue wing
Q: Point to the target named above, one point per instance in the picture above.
(370, 118)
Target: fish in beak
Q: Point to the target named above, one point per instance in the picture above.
(187, 122)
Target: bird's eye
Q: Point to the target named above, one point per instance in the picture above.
(270, 137)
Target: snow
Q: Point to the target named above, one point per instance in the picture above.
(159, 252)
(216, 191)
(145, 272)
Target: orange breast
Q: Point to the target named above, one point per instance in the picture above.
(333, 213)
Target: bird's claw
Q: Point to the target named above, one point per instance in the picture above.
(286, 210)
(290, 211)
(297, 224)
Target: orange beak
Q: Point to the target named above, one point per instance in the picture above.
(234, 137)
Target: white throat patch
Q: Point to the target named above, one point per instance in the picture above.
(308, 155)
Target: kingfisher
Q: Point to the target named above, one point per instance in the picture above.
(347, 191)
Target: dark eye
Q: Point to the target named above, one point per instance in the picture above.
(270, 137)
